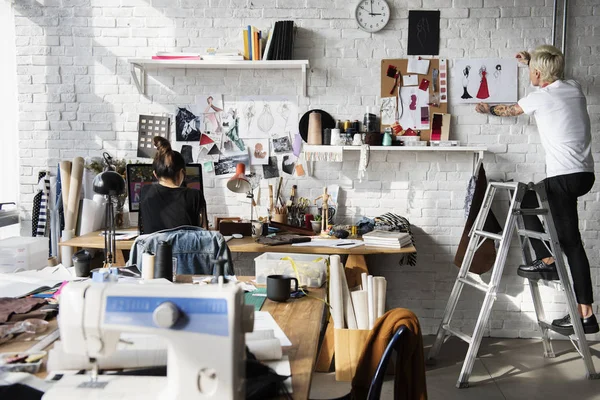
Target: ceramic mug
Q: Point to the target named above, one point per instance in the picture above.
(257, 229)
(278, 287)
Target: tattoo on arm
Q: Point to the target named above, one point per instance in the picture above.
(506, 110)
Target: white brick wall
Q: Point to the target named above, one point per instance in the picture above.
(76, 97)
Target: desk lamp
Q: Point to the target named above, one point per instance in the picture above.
(240, 183)
(110, 184)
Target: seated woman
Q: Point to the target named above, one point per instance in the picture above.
(167, 205)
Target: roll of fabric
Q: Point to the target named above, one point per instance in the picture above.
(315, 131)
(163, 262)
(74, 193)
(65, 182)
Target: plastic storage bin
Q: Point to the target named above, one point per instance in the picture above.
(32, 368)
(23, 253)
(312, 268)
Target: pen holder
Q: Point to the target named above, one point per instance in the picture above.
(281, 218)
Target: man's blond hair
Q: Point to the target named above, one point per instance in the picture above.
(549, 61)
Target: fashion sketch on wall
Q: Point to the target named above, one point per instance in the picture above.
(489, 80)
(202, 117)
(264, 116)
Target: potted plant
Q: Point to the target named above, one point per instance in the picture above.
(316, 223)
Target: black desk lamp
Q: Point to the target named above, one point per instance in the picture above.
(110, 184)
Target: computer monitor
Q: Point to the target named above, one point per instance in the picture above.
(139, 175)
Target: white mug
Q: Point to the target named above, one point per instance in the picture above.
(257, 229)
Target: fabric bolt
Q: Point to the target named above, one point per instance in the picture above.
(409, 381)
(43, 216)
(562, 192)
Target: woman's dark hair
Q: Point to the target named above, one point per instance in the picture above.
(167, 163)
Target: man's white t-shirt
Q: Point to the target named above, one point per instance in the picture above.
(560, 112)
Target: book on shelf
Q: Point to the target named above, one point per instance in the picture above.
(276, 44)
(209, 57)
(157, 57)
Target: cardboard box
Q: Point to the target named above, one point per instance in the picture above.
(348, 344)
(440, 126)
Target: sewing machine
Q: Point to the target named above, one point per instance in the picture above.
(203, 325)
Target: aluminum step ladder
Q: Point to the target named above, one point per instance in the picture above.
(514, 220)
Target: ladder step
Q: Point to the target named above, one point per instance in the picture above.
(504, 185)
(533, 234)
(488, 235)
(477, 285)
(531, 211)
(458, 334)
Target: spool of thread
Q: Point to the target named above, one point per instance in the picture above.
(327, 136)
(347, 125)
(163, 262)
(335, 137)
(148, 259)
(307, 219)
(356, 125)
(315, 132)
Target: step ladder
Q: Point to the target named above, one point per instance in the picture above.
(514, 220)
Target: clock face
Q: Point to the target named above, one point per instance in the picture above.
(372, 15)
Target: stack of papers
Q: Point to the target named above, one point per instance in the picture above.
(394, 240)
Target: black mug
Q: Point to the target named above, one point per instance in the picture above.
(278, 287)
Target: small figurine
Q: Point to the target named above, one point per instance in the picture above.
(325, 208)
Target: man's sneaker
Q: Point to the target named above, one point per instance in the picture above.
(538, 270)
(565, 327)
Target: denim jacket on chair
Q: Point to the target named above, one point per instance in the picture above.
(195, 249)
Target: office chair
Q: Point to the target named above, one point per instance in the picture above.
(377, 381)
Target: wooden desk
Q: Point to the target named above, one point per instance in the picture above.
(95, 240)
(300, 319)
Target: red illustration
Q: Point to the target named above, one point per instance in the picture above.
(413, 102)
(483, 92)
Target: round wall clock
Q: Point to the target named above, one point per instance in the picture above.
(372, 15)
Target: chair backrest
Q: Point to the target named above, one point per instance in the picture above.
(377, 382)
(195, 249)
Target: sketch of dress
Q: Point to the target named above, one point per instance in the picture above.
(284, 111)
(483, 92)
(265, 120)
(249, 114)
(465, 83)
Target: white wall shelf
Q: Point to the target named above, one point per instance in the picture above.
(142, 64)
(478, 151)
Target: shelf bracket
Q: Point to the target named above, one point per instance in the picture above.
(140, 82)
(304, 84)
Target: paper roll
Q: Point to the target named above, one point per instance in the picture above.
(66, 252)
(89, 211)
(371, 301)
(336, 299)
(65, 183)
(363, 279)
(268, 349)
(74, 193)
(359, 300)
(147, 266)
(349, 316)
(260, 335)
(380, 290)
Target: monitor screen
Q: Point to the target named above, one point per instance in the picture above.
(139, 175)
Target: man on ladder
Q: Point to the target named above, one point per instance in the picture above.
(559, 108)
(560, 111)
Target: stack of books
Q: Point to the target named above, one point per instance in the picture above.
(390, 239)
(278, 44)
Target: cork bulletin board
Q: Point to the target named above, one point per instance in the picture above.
(390, 84)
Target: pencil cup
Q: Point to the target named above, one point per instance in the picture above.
(281, 218)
